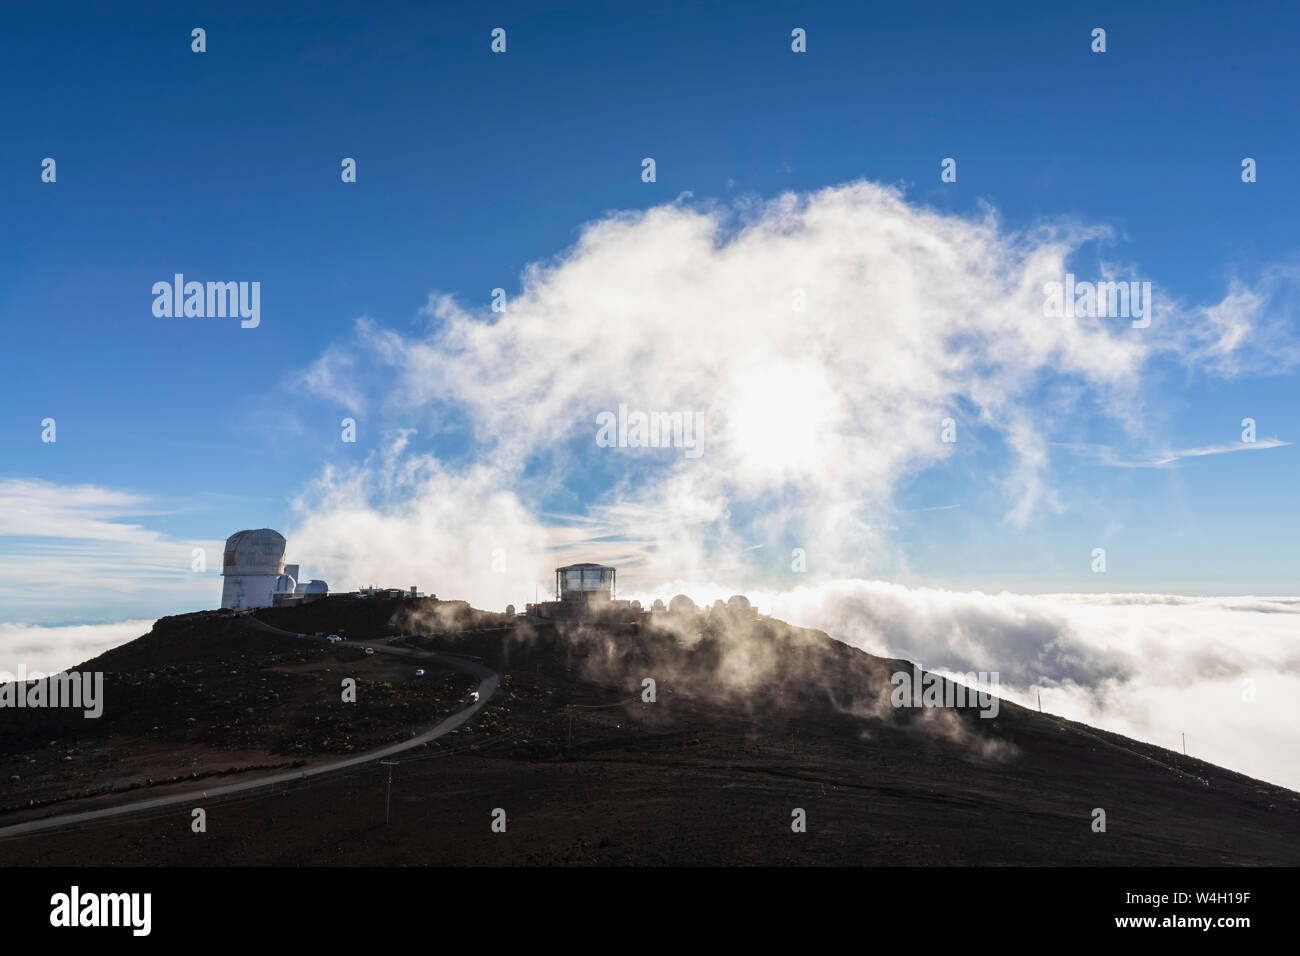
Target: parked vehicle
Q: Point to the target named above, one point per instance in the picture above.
(370, 650)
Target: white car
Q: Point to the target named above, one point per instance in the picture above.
(472, 697)
(333, 638)
(419, 672)
(370, 650)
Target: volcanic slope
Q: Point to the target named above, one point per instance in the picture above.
(753, 720)
(204, 698)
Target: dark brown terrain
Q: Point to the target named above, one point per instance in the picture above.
(753, 719)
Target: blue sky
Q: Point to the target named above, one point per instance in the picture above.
(225, 166)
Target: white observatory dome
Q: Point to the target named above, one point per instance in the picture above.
(255, 552)
(252, 568)
(738, 602)
(681, 604)
(315, 586)
(658, 605)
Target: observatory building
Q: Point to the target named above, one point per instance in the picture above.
(681, 604)
(738, 606)
(587, 591)
(585, 583)
(581, 589)
(254, 573)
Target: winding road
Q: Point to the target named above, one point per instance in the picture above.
(488, 682)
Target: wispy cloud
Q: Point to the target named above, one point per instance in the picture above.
(46, 510)
(71, 551)
(1105, 455)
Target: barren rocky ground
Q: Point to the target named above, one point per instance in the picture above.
(752, 721)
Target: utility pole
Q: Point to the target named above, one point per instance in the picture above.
(1184, 743)
(1040, 701)
(390, 764)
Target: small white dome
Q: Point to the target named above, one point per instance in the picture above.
(254, 552)
(738, 602)
(285, 584)
(681, 604)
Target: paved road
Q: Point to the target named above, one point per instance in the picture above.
(488, 680)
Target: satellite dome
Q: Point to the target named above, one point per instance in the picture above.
(510, 610)
(315, 586)
(285, 584)
(254, 552)
(637, 605)
(681, 604)
(658, 605)
(738, 602)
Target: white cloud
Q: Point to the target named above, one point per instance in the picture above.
(66, 553)
(816, 416)
(1251, 330)
(43, 509)
(25, 648)
(398, 519)
(1149, 666)
(1106, 455)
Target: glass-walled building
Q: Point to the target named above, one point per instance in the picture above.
(585, 582)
